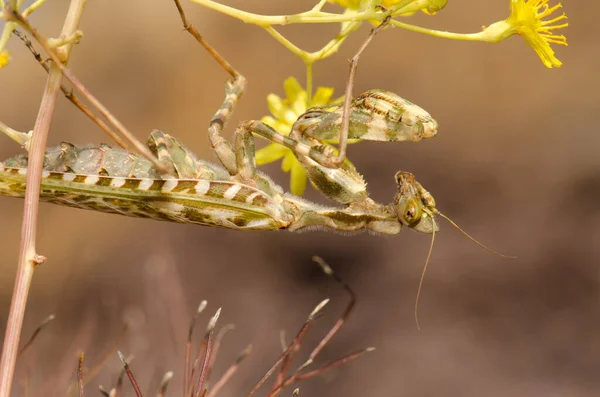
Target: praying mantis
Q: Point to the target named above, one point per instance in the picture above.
(233, 194)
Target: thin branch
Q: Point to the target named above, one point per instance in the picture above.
(80, 374)
(162, 391)
(333, 364)
(37, 331)
(28, 258)
(134, 384)
(305, 328)
(92, 373)
(230, 371)
(119, 387)
(297, 375)
(336, 327)
(215, 351)
(210, 330)
(348, 94)
(187, 370)
(68, 93)
(69, 75)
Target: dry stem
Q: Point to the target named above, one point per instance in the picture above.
(37, 331)
(28, 258)
(134, 383)
(80, 375)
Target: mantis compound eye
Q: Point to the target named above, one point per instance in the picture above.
(412, 212)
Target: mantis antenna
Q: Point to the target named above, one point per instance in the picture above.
(423, 277)
(427, 199)
(485, 247)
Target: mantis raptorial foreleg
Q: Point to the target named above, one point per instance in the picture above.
(243, 151)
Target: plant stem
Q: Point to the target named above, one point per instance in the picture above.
(28, 258)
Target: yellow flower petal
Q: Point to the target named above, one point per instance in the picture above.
(322, 96)
(338, 100)
(297, 179)
(283, 127)
(527, 20)
(276, 106)
(271, 152)
(291, 116)
(434, 6)
(4, 58)
(288, 161)
(295, 94)
(269, 120)
(351, 4)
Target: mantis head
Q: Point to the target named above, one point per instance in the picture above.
(415, 205)
(416, 209)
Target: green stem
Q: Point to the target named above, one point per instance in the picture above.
(319, 5)
(22, 138)
(34, 6)
(439, 33)
(311, 57)
(335, 43)
(309, 82)
(9, 27)
(311, 16)
(286, 43)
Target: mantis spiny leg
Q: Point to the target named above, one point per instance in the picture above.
(234, 88)
(348, 95)
(239, 159)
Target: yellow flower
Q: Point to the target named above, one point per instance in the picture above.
(351, 4)
(430, 7)
(4, 58)
(527, 19)
(285, 112)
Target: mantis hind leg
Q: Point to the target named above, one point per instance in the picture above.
(171, 153)
(234, 88)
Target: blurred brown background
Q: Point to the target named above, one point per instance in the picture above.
(516, 164)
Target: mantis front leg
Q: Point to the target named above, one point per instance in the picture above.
(236, 161)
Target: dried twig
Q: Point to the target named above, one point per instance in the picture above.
(92, 373)
(116, 392)
(230, 371)
(134, 384)
(298, 375)
(28, 257)
(162, 391)
(333, 364)
(210, 330)
(78, 85)
(37, 331)
(187, 369)
(103, 391)
(80, 374)
(336, 327)
(68, 93)
(299, 336)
